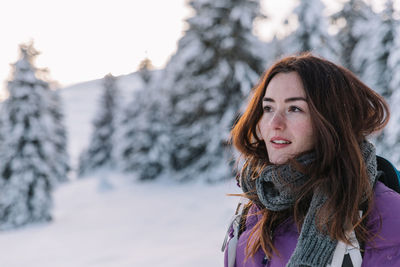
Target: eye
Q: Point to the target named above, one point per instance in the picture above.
(267, 108)
(295, 109)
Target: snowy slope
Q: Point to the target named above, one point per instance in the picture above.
(108, 220)
(152, 224)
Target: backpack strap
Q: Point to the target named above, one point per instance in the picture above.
(347, 255)
(344, 255)
(390, 176)
(233, 232)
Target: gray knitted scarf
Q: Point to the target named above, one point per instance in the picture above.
(274, 188)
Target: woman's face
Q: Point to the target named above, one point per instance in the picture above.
(285, 125)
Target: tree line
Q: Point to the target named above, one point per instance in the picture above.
(177, 124)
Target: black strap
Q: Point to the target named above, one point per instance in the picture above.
(347, 261)
(389, 176)
(243, 218)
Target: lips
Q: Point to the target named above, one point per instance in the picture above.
(279, 142)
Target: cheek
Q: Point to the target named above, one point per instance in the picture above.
(262, 128)
(306, 133)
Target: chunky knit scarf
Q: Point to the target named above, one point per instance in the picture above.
(274, 188)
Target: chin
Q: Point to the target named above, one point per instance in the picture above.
(279, 160)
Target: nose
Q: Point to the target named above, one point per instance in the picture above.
(278, 121)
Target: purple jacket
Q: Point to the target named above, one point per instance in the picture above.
(383, 251)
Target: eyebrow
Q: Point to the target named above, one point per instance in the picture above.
(290, 99)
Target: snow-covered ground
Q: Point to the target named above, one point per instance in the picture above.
(109, 220)
(151, 224)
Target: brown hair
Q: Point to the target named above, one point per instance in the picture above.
(343, 112)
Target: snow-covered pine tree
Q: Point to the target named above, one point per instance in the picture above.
(351, 19)
(145, 68)
(311, 33)
(140, 127)
(100, 150)
(26, 177)
(371, 57)
(394, 65)
(276, 48)
(58, 137)
(390, 140)
(3, 118)
(137, 138)
(206, 82)
(371, 53)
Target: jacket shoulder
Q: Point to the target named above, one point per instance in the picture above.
(384, 222)
(385, 215)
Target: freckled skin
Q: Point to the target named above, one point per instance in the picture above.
(286, 117)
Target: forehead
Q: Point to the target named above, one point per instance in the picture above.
(284, 85)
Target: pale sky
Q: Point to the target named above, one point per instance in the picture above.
(86, 39)
(81, 40)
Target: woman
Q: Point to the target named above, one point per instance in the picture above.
(310, 173)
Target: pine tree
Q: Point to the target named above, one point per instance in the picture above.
(26, 177)
(145, 68)
(390, 139)
(394, 62)
(371, 53)
(311, 33)
(135, 148)
(140, 128)
(58, 137)
(100, 150)
(206, 82)
(354, 16)
(276, 47)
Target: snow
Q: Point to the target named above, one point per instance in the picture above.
(108, 220)
(148, 224)
(312, 33)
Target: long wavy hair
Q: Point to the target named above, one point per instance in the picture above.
(344, 111)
